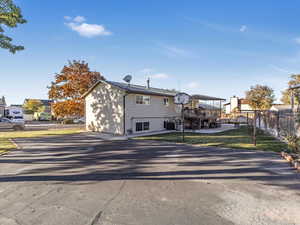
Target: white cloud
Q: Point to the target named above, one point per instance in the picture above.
(159, 76)
(79, 19)
(297, 40)
(146, 70)
(176, 51)
(193, 85)
(67, 17)
(86, 29)
(243, 28)
(280, 69)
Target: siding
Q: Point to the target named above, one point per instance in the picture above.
(156, 113)
(104, 109)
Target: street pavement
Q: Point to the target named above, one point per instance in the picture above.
(82, 180)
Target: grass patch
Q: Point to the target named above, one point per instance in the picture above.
(238, 138)
(6, 144)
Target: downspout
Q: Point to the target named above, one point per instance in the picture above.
(124, 115)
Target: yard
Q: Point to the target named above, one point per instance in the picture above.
(238, 138)
(6, 144)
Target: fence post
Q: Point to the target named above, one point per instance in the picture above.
(277, 124)
(254, 128)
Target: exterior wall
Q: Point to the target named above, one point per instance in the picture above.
(245, 107)
(234, 103)
(156, 112)
(2, 109)
(104, 109)
(28, 117)
(228, 109)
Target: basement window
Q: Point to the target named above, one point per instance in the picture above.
(141, 126)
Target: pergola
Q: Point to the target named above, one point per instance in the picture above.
(208, 102)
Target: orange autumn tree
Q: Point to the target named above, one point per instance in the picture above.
(69, 85)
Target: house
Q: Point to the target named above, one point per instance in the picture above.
(237, 104)
(282, 108)
(121, 108)
(45, 103)
(2, 106)
(45, 109)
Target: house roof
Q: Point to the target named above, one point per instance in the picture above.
(143, 89)
(243, 101)
(139, 89)
(208, 107)
(132, 88)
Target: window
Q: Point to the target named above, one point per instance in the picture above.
(166, 101)
(143, 99)
(140, 126)
(146, 125)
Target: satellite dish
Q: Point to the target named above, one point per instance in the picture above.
(127, 78)
(181, 98)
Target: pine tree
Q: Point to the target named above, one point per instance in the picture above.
(10, 16)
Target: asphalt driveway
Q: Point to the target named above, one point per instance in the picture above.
(81, 180)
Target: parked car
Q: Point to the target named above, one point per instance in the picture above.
(9, 124)
(18, 119)
(79, 120)
(42, 116)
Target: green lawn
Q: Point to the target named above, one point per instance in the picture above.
(238, 138)
(6, 144)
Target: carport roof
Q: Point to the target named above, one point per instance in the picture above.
(205, 97)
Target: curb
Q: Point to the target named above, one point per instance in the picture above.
(294, 162)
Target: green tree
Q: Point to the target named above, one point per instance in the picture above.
(286, 94)
(10, 16)
(32, 105)
(260, 97)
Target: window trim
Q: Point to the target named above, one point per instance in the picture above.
(143, 100)
(143, 126)
(167, 103)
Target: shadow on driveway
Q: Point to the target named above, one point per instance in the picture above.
(81, 158)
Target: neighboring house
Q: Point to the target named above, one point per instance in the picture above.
(282, 108)
(237, 104)
(120, 108)
(46, 105)
(2, 106)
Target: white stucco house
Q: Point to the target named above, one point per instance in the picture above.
(120, 108)
(123, 109)
(236, 103)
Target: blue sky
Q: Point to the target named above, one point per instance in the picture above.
(217, 48)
